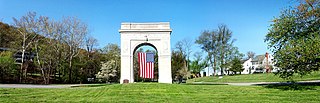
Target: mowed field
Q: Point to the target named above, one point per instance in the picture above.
(156, 92)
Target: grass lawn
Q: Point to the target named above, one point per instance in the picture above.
(254, 78)
(154, 92)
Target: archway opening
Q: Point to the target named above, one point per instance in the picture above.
(146, 48)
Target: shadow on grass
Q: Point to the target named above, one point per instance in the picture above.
(202, 84)
(91, 85)
(292, 86)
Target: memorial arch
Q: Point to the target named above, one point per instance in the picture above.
(134, 35)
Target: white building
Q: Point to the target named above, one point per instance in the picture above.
(259, 64)
(208, 71)
(247, 65)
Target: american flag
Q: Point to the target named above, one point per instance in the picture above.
(146, 64)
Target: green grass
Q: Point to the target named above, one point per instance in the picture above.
(154, 92)
(254, 78)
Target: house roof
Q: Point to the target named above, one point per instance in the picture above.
(244, 60)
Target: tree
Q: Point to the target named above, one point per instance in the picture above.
(236, 65)
(184, 72)
(45, 56)
(184, 46)
(75, 33)
(107, 71)
(218, 45)
(250, 54)
(224, 45)
(7, 66)
(56, 48)
(294, 39)
(232, 54)
(8, 36)
(208, 40)
(111, 52)
(198, 64)
(178, 62)
(90, 42)
(28, 28)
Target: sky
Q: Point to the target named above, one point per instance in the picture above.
(249, 20)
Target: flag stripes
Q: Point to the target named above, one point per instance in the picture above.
(146, 67)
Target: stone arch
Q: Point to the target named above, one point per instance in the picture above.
(143, 44)
(156, 35)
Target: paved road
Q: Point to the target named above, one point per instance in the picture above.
(37, 86)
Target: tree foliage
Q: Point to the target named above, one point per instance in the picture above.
(8, 36)
(111, 55)
(28, 27)
(108, 73)
(57, 48)
(198, 64)
(178, 64)
(294, 38)
(236, 65)
(8, 68)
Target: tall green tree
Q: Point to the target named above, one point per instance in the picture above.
(236, 65)
(198, 64)
(178, 64)
(8, 68)
(294, 39)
